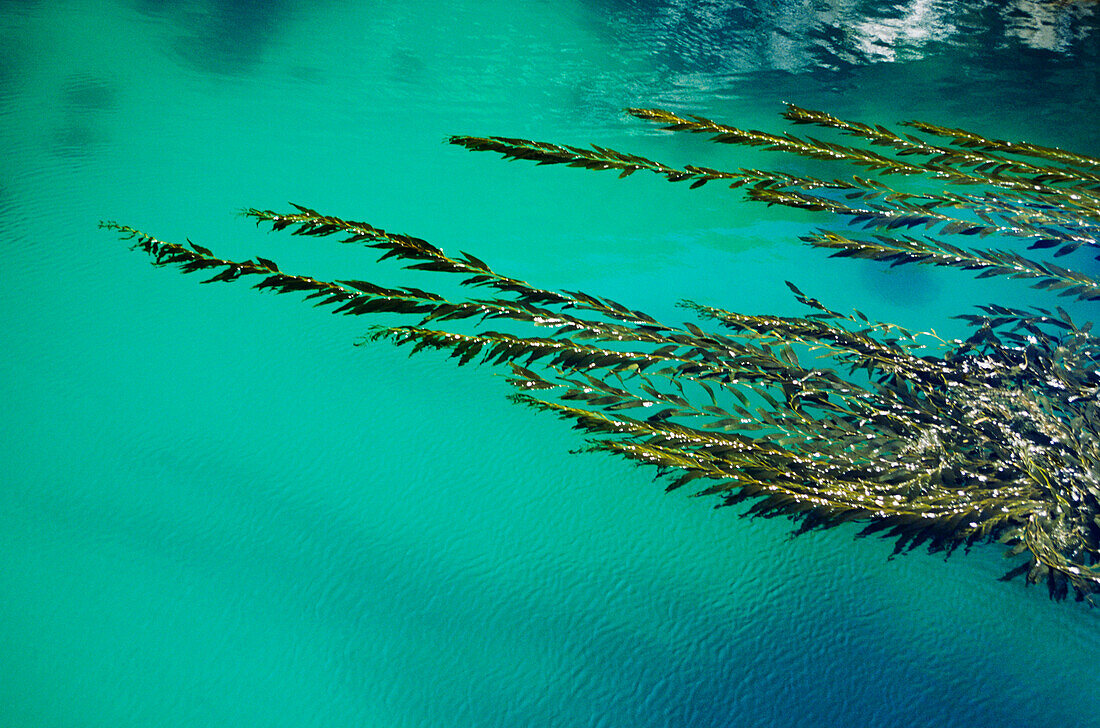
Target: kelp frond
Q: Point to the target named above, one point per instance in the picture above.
(970, 140)
(903, 249)
(827, 418)
(975, 156)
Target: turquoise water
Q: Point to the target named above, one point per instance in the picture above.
(217, 511)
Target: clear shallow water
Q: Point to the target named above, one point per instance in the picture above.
(217, 511)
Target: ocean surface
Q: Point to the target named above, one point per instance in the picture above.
(215, 510)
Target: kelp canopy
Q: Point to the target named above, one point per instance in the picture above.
(829, 417)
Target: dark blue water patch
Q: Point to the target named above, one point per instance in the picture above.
(8, 61)
(76, 139)
(698, 38)
(82, 99)
(1043, 97)
(309, 75)
(16, 55)
(781, 656)
(86, 93)
(989, 61)
(19, 7)
(224, 37)
(407, 67)
(829, 40)
(911, 286)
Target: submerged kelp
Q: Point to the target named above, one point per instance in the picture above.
(827, 418)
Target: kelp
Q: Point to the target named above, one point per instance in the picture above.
(826, 418)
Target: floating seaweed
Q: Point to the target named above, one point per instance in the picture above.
(929, 443)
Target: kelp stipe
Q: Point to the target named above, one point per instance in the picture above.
(926, 442)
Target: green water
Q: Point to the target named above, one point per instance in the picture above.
(217, 511)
